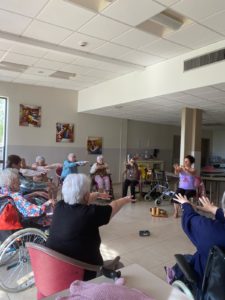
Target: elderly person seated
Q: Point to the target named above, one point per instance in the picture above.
(100, 171)
(203, 232)
(75, 227)
(131, 177)
(41, 166)
(71, 164)
(27, 185)
(10, 187)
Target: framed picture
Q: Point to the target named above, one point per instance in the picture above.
(64, 132)
(94, 145)
(30, 115)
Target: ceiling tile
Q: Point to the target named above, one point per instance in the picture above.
(134, 38)
(114, 68)
(20, 59)
(61, 57)
(28, 50)
(76, 38)
(27, 7)
(2, 54)
(102, 74)
(65, 14)
(141, 58)
(6, 78)
(199, 9)
(9, 74)
(220, 86)
(201, 92)
(47, 64)
(13, 23)
(194, 36)
(216, 22)
(5, 44)
(103, 28)
(46, 32)
(168, 2)
(72, 68)
(165, 48)
(38, 71)
(133, 12)
(87, 62)
(111, 50)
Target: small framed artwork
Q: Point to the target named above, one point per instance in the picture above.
(30, 115)
(94, 145)
(64, 132)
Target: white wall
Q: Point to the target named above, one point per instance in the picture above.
(146, 136)
(60, 106)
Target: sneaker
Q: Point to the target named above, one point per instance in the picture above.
(170, 275)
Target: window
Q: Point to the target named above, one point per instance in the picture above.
(3, 108)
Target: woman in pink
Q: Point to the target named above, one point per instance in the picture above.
(101, 172)
(186, 181)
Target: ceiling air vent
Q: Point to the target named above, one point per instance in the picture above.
(63, 75)
(9, 66)
(205, 59)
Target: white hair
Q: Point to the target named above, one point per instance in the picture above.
(8, 176)
(70, 155)
(99, 157)
(75, 187)
(40, 158)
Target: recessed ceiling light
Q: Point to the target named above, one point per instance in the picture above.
(82, 43)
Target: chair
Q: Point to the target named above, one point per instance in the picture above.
(53, 271)
(213, 287)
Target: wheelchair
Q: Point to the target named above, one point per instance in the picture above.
(94, 186)
(213, 287)
(15, 269)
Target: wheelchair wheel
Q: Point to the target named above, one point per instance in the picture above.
(183, 288)
(15, 268)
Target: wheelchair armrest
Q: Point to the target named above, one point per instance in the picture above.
(185, 267)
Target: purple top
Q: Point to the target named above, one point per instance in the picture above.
(186, 181)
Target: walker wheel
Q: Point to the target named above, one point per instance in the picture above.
(147, 197)
(157, 202)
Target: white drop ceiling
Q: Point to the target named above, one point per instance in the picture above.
(46, 36)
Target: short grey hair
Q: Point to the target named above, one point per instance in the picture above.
(39, 158)
(75, 187)
(70, 155)
(8, 176)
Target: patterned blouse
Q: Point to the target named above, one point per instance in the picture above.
(26, 208)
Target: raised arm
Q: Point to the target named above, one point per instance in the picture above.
(118, 204)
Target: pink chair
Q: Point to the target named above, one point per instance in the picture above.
(53, 271)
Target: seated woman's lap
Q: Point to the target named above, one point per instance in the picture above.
(188, 193)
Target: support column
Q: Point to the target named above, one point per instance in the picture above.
(191, 127)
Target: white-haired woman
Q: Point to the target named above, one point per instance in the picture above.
(75, 227)
(100, 171)
(10, 186)
(41, 166)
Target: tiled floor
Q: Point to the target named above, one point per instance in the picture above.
(121, 237)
